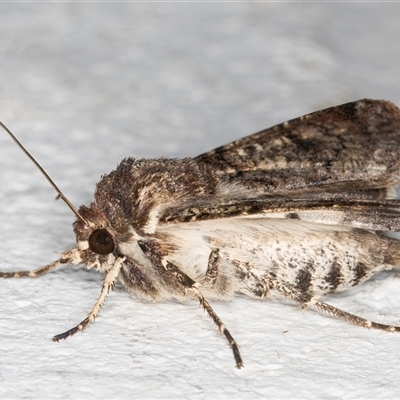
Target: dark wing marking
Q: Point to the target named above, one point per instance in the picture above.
(336, 166)
(356, 144)
(367, 214)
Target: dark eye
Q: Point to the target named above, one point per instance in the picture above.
(101, 242)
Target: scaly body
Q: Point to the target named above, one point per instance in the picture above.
(293, 211)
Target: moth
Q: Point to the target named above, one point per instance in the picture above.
(293, 211)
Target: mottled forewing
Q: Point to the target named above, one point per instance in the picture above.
(356, 145)
(336, 166)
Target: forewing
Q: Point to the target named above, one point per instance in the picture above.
(336, 166)
(357, 143)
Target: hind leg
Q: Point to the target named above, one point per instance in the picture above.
(354, 319)
(306, 300)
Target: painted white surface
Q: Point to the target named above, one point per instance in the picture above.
(84, 84)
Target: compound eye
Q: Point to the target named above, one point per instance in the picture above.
(101, 242)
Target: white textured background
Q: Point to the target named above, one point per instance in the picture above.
(84, 84)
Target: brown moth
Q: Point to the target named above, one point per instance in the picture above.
(292, 211)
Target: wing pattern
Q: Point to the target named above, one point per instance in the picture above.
(342, 160)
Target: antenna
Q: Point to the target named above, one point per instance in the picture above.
(60, 194)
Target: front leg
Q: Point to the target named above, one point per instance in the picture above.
(68, 257)
(109, 282)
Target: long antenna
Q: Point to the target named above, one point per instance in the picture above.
(40, 168)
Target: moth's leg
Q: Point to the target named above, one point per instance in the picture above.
(109, 282)
(354, 319)
(182, 284)
(221, 327)
(35, 272)
(67, 257)
(219, 277)
(308, 299)
(288, 290)
(212, 269)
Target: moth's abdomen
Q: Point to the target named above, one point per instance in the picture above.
(246, 254)
(317, 259)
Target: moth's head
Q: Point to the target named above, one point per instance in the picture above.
(99, 236)
(100, 230)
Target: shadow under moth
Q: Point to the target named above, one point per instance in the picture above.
(293, 211)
